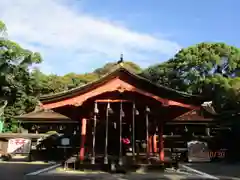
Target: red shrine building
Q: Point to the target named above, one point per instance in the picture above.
(123, 105)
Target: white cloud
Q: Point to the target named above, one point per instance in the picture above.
(59, 28)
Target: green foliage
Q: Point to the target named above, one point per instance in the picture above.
(11, 126)
(132, 67)
(210, 69)
(17, 85)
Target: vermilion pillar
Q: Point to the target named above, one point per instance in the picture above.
(150, 144)
(161, 143)
(83, 138)
(154, 143)
(147, 131)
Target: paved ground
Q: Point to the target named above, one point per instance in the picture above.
(115, 177)
(169, 175)
(220, 170)
(17, 171)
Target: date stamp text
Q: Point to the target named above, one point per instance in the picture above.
(217, 154)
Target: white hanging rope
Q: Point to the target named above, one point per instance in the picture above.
(5, 102)
(209, 107)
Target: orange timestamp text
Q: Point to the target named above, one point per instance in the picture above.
(217, 154)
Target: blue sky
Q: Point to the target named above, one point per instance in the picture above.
(81, 35)
(186, 21)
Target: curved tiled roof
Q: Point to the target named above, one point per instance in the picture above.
(193, 115)
(43, 114)
(75, 91)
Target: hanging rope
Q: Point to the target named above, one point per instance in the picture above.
(4, 104)
(208, 106)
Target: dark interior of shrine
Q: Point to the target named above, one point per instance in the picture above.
(158, 113)
(114, 126)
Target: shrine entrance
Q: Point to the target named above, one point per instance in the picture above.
(120, 128)
(114, 133)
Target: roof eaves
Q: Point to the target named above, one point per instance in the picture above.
(113, 72)
(74, 90)
(53, 115)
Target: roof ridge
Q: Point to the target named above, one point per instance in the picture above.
(117, 68)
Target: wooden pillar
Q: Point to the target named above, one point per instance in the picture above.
(120, 134)
(94, 132)
(147, 111)
(83, 138)
(155, 144)
(161, 143)
(106, 135)
(133, 131)
(150, 144)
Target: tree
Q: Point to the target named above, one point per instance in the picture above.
(107, 68)
(42, 83)
(207, 69)
(50, 84)
(17, 84)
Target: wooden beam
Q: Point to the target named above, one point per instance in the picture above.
(112, 100)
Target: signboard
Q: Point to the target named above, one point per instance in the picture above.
(65, 141)
(198, 151)
(19, 146)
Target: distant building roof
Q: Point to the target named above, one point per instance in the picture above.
(193, 115)
(43, 116)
